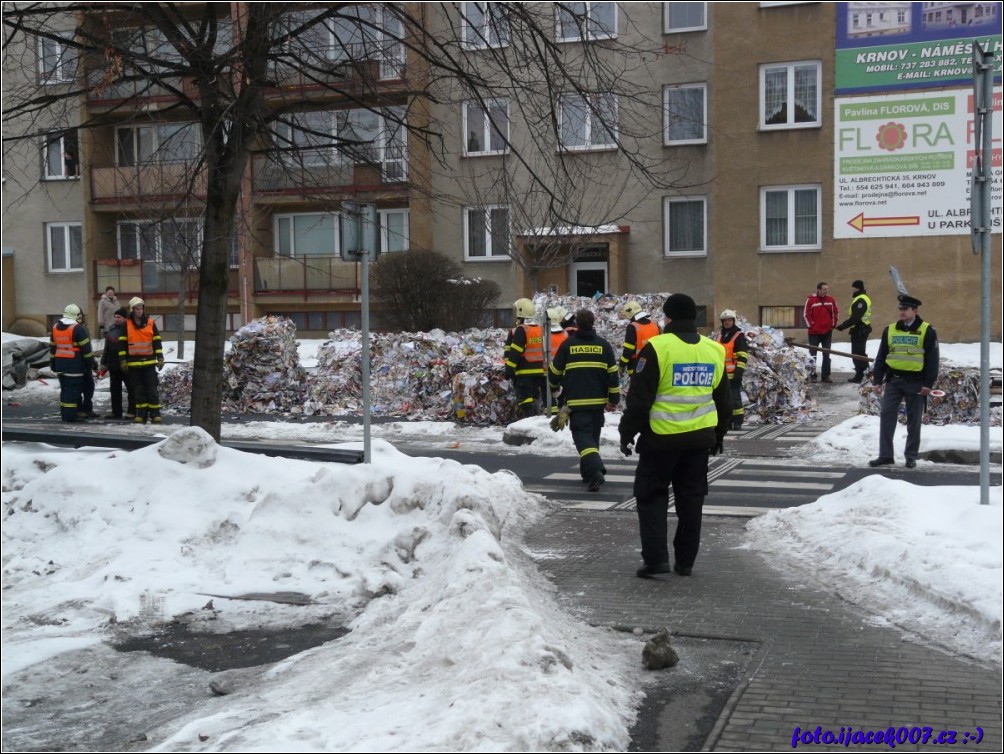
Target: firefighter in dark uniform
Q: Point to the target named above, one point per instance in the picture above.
(72, 359)
(585, 369)
(639, 330)
(736, 356)
(141, 356)
(906, 368)
(524, 359)
(860, 324)
(679, 404)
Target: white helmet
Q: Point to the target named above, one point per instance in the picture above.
(630, 309)
(728, 314)
(524, 308)
(556, 314)
(72, 311)
(136, 301)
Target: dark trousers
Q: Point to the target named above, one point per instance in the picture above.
(859, 339)
(898, 390)
(71, 390)
(87, 392)
(531, 393)
(824, 341)
(116, 381)
(145, 390)
(687, 471)
(586, 426)
(736, 390)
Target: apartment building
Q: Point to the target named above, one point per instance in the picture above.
(730, 181)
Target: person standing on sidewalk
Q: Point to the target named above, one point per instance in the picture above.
(821, 316)
(112, 366)
(106, 310)
(736, 356)
(639, 329)
(73, 362)
(141, 356)
(906, 368)
(524, 359)
(860, 324)
(585, 369)
(679, 404)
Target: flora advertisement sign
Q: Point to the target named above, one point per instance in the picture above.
(903, 164)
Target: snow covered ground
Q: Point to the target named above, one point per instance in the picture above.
(456, 642)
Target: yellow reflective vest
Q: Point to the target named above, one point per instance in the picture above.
(688, 375)
(866, 318)
(906, 349)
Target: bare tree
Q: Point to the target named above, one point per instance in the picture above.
(226, 66)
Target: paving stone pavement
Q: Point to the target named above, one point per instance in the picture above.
(821, 660)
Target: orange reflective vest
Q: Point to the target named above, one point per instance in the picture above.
(730, 348)
(139, 343)
(534, 351)
(63, 338)
(557, 338)
(643, 334)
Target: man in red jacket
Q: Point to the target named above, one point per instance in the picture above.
(820, 316)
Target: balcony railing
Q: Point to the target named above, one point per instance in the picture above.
(136, 277)
(272, 174)
(147, 182)
(317, 274)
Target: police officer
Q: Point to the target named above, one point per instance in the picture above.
(585, 369)
(524, 358)
(906, 368)
(860, 323)
(73, 362)
(736, 356)
(639, 329)
(679, 404)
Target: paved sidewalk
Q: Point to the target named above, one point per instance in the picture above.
(820, 661)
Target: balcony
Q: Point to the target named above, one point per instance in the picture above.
(146, 184)
(137, 277)
(277, 178)
(309, 276)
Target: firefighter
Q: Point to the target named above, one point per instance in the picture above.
(640, 330)
(141, 357)
(558, 335)
(736, 355)
(585, 369)
(73, 362)
(524, 359)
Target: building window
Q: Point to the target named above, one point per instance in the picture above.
(588, 122)
(686, 114)
(308, 139)
(484, 25)
(57, 63)
(486, 232)
(685, 226)
(790, 95)
(790, 218)
(60, 156)
(163, 143)
(306, 235)
(175, 243)
(394, 230)
(586, 21)
(65, 242)
(677, 17)
(487, 127)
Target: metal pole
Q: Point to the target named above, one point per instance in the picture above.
(365, 285)
(985, 111)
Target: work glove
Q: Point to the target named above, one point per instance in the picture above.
(560, 419)
(719, 447)
(160, 364)
(626, 444)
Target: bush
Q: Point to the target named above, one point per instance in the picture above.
(422, 290)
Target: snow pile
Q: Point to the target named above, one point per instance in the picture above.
(959, 405)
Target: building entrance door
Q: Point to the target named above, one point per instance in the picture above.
(588, 278)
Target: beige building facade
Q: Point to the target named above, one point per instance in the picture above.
(723, 186)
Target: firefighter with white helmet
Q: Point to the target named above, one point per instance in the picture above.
(141, 356)
(736, 356)
(640, 330)
(73, 362)
(524, 358)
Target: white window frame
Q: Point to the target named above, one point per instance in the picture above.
(666, 226)
(336, 248)
(486, 133)
(300, 153)
(493, 32)
(157, 154)
(47, 144)
(65, 68)
(791, 219)
(591, 116)
(790, 122)
(703, 138)
(667, 29)
(65, 226)
(385, 238)
(489, 251)
(590, 35)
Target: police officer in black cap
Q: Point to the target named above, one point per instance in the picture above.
(906, 369)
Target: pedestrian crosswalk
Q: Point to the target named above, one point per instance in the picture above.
(737, 487)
